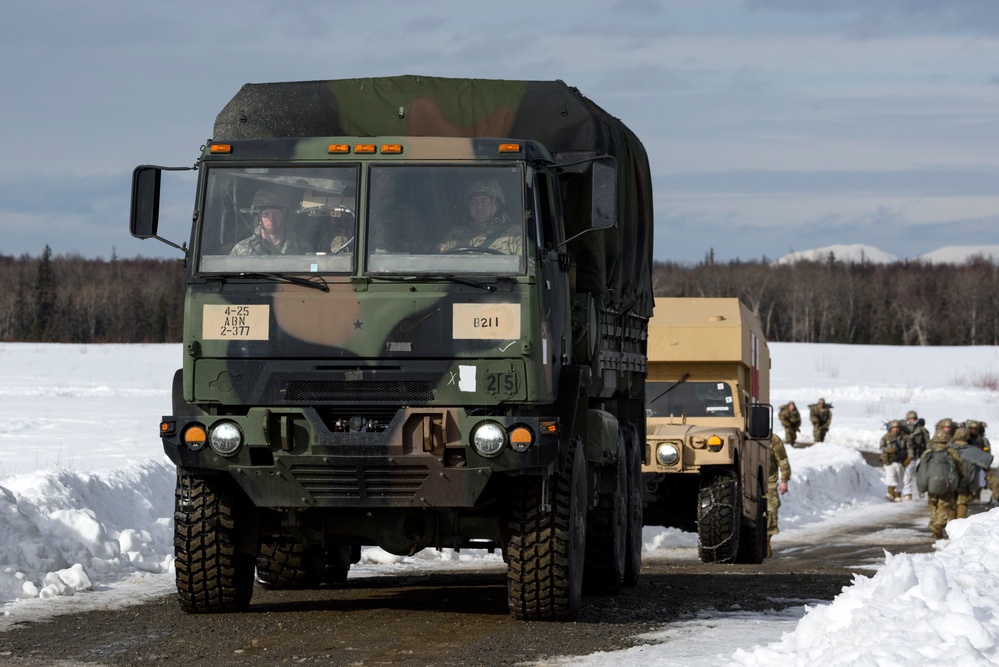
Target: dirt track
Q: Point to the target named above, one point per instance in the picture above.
(453, 619)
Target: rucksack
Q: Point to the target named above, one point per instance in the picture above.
(937, 473)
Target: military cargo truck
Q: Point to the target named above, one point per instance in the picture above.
(369, 361)
(709, 426)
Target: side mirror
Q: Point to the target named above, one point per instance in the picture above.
(145, 215)
(760, 419)
(604, 196)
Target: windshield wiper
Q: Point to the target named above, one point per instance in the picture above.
(440, 276)
(315, 282)
(671, 387)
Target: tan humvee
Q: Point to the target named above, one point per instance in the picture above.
(708, 426)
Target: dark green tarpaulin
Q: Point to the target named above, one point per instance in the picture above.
(615, 265)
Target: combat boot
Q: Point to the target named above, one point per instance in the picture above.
(962, 511)
(769, 550)
(907, 497)
(938, 532)
(890, 496)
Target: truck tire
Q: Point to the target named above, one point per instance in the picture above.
(212, 575)
(633, 556)
(607, 531)
(293, 566)
(753, 537)
(718, 512)
(547, 544)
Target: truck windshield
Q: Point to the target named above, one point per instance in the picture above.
(694, 399)
(279, 220)
(445, 219)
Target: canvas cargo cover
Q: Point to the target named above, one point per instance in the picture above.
(615, 265)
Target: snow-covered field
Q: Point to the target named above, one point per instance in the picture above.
(86, 502)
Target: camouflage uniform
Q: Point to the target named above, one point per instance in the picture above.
(919, 438)
(976, 438)
(780, 471)
(896, 455)
(269, 197)
(790, 419)
(821, 417)
(497, 232)
(974, 460)
(943, 507)
(257, 245)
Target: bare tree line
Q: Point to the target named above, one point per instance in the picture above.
(902, 303)
(70, 299)
(76, 300)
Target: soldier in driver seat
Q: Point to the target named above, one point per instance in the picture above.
(485, 224)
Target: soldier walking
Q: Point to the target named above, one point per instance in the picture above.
(940, 474)
(973, 460)
(919, 438)
(790, 418)
(896, 454)
(821, 417)
(780, 474)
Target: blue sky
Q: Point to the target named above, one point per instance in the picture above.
(771, 125)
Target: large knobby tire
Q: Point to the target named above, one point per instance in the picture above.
(633, 557)
(607, 530)
(547, 545)
(292, 565)
(718, 512)
(753, 537)
(212, 575)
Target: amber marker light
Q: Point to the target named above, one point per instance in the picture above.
(364, 148)
(195, 437)
(521, 438)
(715, 443)
(549, 428)
(509, 148)
(221, 148)
(338, 148)
(392, 148)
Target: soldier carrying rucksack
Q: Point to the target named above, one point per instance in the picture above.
(940, 474)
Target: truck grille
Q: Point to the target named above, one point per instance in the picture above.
(407, 391)
(360, 482)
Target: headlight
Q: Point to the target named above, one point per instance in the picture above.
(225, 438)
(521, 438)
(667, 454)
(488, 438)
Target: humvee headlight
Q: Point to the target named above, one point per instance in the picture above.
(667, 454)
(225, 438)
(195, 437)
(488, 438)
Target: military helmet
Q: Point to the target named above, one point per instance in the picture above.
(946, 422)
(911, 414)
(485, 186)
(895, 424)
(822, 401)
(961, 435)
(268, 197)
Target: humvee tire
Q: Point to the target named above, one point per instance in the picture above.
(547, 545)
(718, 512)
(607, 532)
(212, 575)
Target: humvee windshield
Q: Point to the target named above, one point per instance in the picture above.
(414, 219)
(694, 399)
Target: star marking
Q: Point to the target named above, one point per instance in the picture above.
(358, 324)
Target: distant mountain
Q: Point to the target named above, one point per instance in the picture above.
(858, 252)
(851, 254)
